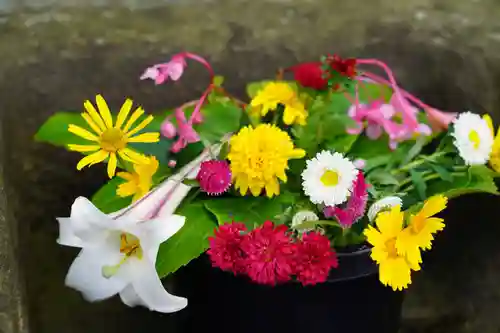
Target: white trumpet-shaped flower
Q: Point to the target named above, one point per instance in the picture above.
(119, 250)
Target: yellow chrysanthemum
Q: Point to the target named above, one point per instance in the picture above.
(138, 182)
(394, 268)
(420, 230)
(259, 157)
(110, 140)
(495, 150)
(275, 93)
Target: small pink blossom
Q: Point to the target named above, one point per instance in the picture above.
(172, 163)
(356, 205)
(160, 73)
(186, 132)
(359, 163)
(168, 129)
(440, 120)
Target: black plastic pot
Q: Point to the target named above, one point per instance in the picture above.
(352, 301)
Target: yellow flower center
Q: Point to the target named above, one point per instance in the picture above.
(474, 137)
(330, 178)
(112, 139)
(390, 247)
(130, 245)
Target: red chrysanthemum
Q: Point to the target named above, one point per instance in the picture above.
(345, 67)
(214, 177)
(314, 258)
(310, 75)
(225, 251)
(269, 254)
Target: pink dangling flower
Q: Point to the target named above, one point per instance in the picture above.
(185, 130)
(375, 114)
(214, 177)
(356, 205)
(314, 259)
(440, 120)
(168, 129)
(160, 73)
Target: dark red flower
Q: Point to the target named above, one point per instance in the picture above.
(214, 177)
(269, 254)
(345, 67)
(225, 251)
(314, 259)
(310, 75)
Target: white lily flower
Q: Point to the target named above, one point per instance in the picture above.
(119, 250)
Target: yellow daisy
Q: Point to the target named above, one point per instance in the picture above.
(108, 140)
(495, 150)
(420, 230)
(138, 182)
(259, 157)
(275, 93)
(394, 268)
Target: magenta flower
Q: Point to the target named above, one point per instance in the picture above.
(185, 130)
(214, 177)
(160, 73)
(355, 207)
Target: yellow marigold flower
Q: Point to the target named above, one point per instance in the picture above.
(275, 93)
(394, 268)
(138, 182)
(259, 157)
(108, 140)
(495, 150)
(420, 230)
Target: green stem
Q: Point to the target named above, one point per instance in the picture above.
(418, 162)
(430, 177)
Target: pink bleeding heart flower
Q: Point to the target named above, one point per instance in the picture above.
(160, 73)
(355, 207)
(185, 130)
(168, 129)
(375, 114)
(440, 120)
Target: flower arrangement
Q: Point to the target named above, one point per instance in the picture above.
(332, 158)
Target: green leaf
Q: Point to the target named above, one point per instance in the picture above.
(442, 172)
(55, 129)
(106, 198)
(253, 211)
(219, 119)
(419, 183)
(189, 242)
(383, 177)
(158, 149)
(341, 144)
(373, 91)
(218, 80)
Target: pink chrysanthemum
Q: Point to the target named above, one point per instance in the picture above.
(356, 205)
(214, 177)
(225, 251)
(269, 254)
(314, 259)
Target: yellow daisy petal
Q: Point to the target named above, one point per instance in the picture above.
(125, 175)
(124, 111)
(272, 188)
(489, 121)
(84, 148)
(112, 165)
(83, 133)
(104, 111)
(146, 138)
(433, 205)
(297, 153)
(135, 115)
(134, 156)
(94, 114)
(126, 189)
(395, 273)
(390, 223)
(91, 123)
(94, 158)
(141, 126)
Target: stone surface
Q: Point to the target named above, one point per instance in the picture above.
(446, 51)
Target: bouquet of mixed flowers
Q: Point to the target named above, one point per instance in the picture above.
(334, 158)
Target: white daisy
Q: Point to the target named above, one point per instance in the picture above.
(473, 138)
(383, 204)
(328, 178)
(304, 216)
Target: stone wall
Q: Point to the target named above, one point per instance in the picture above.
(446, 51)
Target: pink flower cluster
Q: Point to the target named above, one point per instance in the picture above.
(269, 255)
(379, 117)
(214, 177)
(355, 207)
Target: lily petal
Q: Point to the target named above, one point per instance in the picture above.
(86, 272)
(87, 222)
(149, 291)
(67, 235)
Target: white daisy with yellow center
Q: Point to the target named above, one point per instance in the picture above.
(473, 138)
(328, 178)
